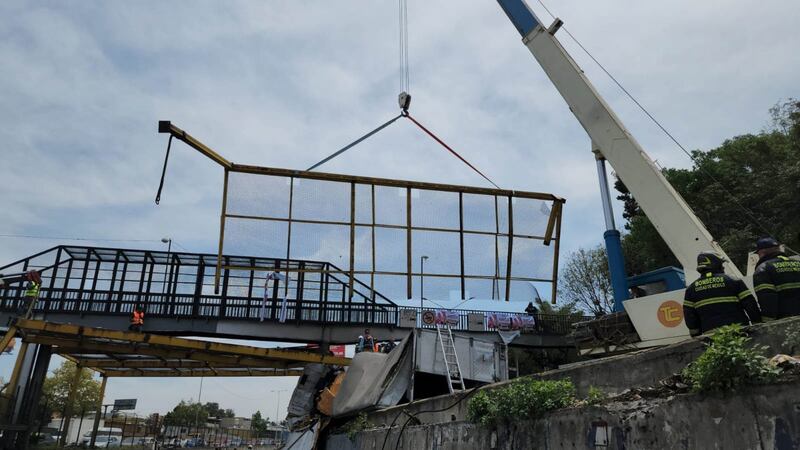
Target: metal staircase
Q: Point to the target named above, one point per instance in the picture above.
(455, 382)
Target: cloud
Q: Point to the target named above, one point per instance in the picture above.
(82, 86)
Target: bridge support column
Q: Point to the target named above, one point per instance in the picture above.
(27, 406)
(73, 389)
(16, 389)
(11, 391)
(96, 424)
(22, 372)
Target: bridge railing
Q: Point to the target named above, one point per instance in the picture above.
(170, 305)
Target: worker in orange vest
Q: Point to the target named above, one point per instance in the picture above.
(137, 319)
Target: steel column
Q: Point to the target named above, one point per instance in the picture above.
(510, 247)
(31, 397)
(73, 389)
(616, 260)
(409, 284)
(97, 413)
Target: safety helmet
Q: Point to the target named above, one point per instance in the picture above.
(766, 242)
(708, 262)
(34, 276)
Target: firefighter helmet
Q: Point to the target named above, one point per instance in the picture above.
(709, 261)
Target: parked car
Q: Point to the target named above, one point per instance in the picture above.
(103, 441)
(195, 442)
(45, 439)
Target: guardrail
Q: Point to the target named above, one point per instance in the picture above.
(188, 306)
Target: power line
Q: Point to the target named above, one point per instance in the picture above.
(731, 195)
(67, 238)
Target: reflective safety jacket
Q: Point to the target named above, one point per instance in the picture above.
(715, 300)
(33, 290)
(137, 318)
(777, 285)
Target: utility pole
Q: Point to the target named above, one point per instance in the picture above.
(278, 404)
(199, 405)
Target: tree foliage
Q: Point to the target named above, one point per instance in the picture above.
(55, 391)
(728, 363)
(523, 398)
(585, 281)
(213, 410)
(188, 414)
(746, 188)
(258, 423)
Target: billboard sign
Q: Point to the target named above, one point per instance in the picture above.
(124, 404)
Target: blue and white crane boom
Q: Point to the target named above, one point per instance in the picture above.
(674, 220)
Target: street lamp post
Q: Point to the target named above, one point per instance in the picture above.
(168, 241)
(278, 404)
(197, 411)
(422, 260)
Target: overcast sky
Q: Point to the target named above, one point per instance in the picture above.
(83, 84)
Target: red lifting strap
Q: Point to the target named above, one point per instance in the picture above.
(429, 133)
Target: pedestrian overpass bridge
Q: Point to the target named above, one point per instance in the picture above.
(100, 287)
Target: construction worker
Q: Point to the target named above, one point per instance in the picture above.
(137, 319)
(31, 292)
(366, 343)
(776, 281)
(716, 299)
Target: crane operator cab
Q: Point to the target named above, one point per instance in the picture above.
(653, 316)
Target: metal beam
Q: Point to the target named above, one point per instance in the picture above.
(555, 214)
(391, 182)
(8, 337)
(68, 347)
(160, 364)
(165, 126)
(203, 373)
(180, 343)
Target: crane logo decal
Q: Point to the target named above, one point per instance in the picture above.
(670, 313)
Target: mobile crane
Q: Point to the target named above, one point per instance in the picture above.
(658, 318)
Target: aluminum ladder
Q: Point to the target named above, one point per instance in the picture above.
(455, 382)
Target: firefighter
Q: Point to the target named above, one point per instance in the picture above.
(716, 299)
(137, 319)
(776, 281)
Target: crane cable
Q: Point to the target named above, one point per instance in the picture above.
(354, 143)
(437, 139)
(163, 171)
(694, 159)
(407, 115)
(405, 80)
(404, 100)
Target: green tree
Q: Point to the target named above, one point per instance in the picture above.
(258, 424)
(55, 391)
(585, 281)
(213, 410)
(186, 414)
(746, 188)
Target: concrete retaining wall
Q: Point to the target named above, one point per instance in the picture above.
(766, 417)
(612, 375)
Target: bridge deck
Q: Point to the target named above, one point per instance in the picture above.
(102, 286)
